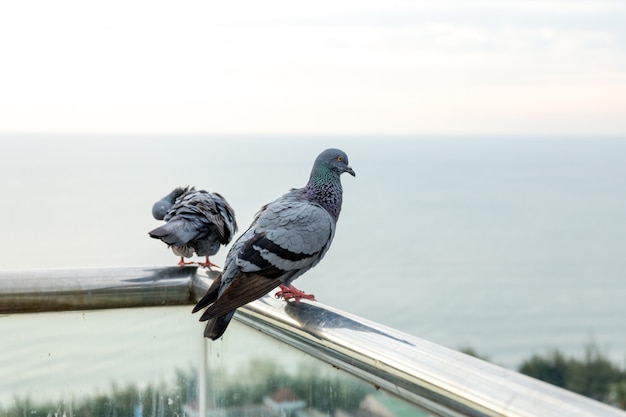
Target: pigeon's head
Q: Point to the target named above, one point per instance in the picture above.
(336, 160)
(161, 207)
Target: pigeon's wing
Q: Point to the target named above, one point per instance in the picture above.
(200, 210)
(225, 218)
(289, 236)
(241, 291)
(287, 239)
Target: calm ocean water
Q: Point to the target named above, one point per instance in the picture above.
(513, 246)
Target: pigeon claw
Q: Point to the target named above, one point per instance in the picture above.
(208, 264)
(290, 292)
(183, 263)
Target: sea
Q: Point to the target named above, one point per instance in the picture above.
(513, 246)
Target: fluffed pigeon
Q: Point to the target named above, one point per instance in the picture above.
(196, 221)
(287, 237)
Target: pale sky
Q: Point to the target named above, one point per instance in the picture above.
(336, 67)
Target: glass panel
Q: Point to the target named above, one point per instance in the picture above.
(123, 362)
(145, 362)
(251, 374)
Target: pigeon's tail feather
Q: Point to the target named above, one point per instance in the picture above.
(185, 251)
(242, 290)
(174, 233)
(216, 327)
(210, 296)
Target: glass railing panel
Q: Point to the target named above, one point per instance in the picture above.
(252, 374)
(150, 361)
(122, 362)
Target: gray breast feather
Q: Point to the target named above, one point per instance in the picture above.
(298, 227)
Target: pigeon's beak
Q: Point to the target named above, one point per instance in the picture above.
(349, 170)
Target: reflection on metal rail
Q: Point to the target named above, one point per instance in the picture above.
(30, 291)
(441, 380)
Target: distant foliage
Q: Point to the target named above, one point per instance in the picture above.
(250, 386)
(262, 378)
(161, 401)
(553, 368)
(593, 376)
(468, 350)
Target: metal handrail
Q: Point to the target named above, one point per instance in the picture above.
(29, 291)
(441, 380)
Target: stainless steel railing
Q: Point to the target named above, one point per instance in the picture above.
(441, 380)
(31, 291)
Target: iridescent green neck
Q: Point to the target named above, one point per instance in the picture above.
(324, 188)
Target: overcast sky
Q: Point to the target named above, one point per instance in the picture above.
(347, 67)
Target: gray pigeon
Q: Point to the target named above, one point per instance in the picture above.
(196, 221)
(287, 237)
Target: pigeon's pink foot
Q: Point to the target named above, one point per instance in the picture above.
(207, 264)
(292, 293)
(183, 263)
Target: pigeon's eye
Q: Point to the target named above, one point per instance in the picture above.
(340, 158)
